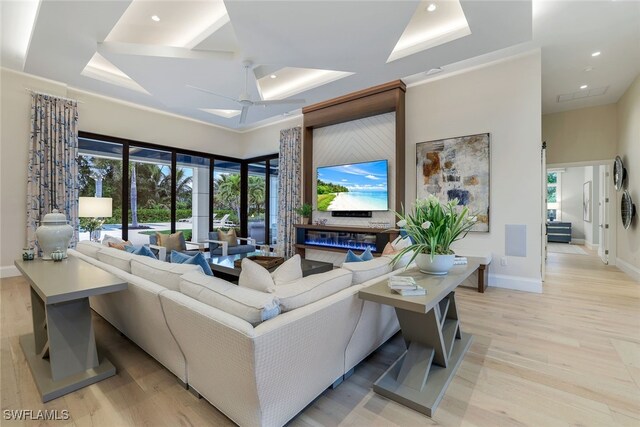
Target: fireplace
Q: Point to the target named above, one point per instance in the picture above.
(341, 238)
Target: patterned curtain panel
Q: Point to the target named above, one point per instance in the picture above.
(53, 168)
(289, 189)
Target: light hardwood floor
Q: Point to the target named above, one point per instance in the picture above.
(570, 356)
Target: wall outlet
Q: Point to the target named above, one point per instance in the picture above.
(503, 261)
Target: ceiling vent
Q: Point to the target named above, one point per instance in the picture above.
(583, 93)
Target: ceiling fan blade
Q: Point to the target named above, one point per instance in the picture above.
(212, 93)
(280, 102)
(243, 114)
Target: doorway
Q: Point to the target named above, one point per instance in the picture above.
(580, 215)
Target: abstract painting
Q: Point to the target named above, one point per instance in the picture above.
(586, 201)
(456, 168)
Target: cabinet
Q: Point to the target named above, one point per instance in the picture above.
(559, 232)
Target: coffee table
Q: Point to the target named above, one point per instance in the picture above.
(223, 267)
(61, 352)
(431, 329)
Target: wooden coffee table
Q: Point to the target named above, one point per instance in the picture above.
(431, 329)
(61, 352)
(222, 266)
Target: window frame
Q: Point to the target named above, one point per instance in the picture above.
(557, 205)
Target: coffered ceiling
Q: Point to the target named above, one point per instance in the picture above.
(154, 52)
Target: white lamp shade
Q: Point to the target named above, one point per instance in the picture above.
(95, 207)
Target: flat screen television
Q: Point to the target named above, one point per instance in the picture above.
(353, 187)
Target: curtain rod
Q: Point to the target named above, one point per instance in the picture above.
(55, 96)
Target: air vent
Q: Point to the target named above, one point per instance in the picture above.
(585, 93)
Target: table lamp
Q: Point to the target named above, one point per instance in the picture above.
(95, 208)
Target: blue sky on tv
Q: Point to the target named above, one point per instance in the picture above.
(371, 176)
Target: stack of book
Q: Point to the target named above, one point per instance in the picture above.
(405, 286)
(460, 260)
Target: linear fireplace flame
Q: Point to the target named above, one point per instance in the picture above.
(342, 245)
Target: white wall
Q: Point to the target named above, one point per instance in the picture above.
(504, 99)
(266, 139)
(571, 181)
(96, 114)
(628, 241)
(591, 228)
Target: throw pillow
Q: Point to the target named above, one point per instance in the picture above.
(228, 236)
(117, 245)
(288, 271)
(173, 242)
(364, 256)
(197, 259)
(256, 277)
(106, 239)
(141, 250)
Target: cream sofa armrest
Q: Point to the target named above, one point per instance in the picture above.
(225, 245)
(162, 251)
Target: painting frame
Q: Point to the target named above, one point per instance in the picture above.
(457, 167)
(586, 201)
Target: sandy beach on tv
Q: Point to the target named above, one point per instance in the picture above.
(359, 201)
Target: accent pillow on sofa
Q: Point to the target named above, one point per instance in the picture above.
(288, 271)
(160, 272)
(197, 259)
(106, 239)
(392, 248)
(89, 248)
(173, 242)
(248, 304)
(117, 258)
(140, 250)
(228, 236)
(364, 256)
(256, 277)
(367, 270)
(312, 288)
(119, 246)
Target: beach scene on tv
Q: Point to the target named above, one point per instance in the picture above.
(354, 187)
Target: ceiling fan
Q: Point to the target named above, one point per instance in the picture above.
(245, 100)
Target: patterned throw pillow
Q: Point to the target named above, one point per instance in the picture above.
(364, 256)
(141, 250)
(120, 246)
(173, 242)
(197, 259)
(228, 236)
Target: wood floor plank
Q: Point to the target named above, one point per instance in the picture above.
(568, 356)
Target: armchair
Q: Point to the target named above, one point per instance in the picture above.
(162, 251)
(221, 248)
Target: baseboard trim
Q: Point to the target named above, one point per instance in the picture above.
(630, 270)
(592, 246)
(577, 241)
(516, 283)
(9, 271)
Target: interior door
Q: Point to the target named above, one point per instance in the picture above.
(604, 229)
(544, 210)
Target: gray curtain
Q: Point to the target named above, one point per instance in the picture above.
(289, 189)
(53, 162)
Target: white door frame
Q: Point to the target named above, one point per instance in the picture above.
(610, 234)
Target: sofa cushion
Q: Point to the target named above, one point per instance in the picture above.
(228, 236)
(254, 276)
(288, 271)
(367, 270)
(248, 304)
(116, 258)
(160, 272)
(89, 248)
(196, 259)
(312, 288)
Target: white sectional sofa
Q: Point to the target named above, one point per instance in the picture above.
(260, 374)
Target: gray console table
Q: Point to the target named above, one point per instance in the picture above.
(431, 329)
(61, 352)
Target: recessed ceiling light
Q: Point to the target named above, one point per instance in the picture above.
(155, 18)
(584, 86)
(273, 76)
(596, 53)
(431, 7)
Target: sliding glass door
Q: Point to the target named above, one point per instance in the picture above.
(227, 189)
(272, 207)
(256, 201)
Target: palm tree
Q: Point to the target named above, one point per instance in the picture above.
(228, 191)
(256, 194)
(134, 198)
